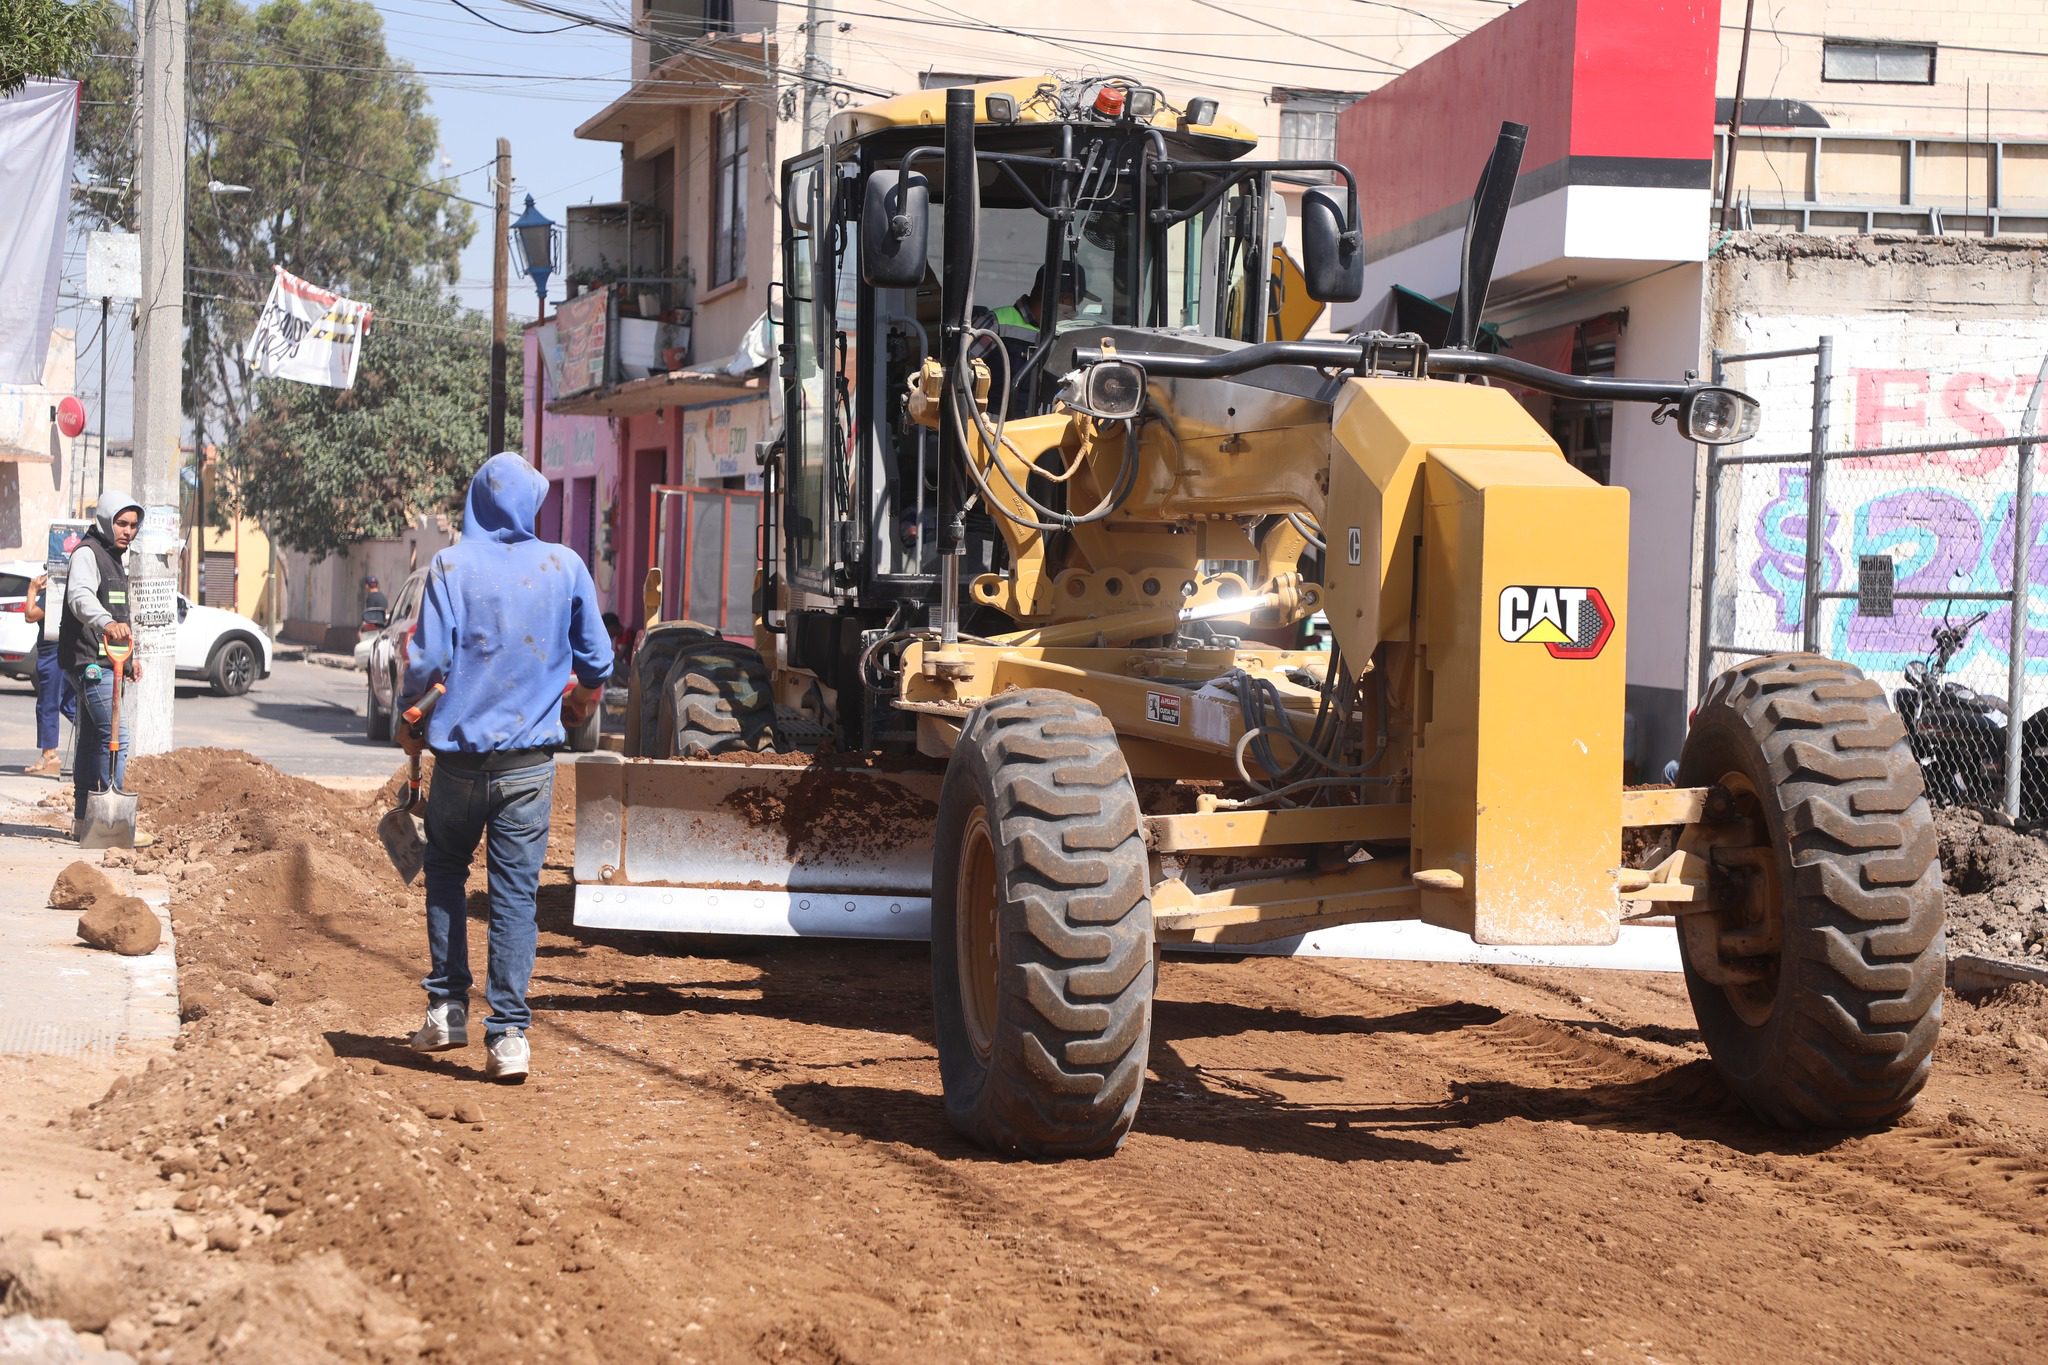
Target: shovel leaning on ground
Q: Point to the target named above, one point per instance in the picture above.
(110, 812)
(401, 831)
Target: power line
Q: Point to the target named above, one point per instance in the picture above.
(531, 32)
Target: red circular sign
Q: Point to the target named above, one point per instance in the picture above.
(70, 416)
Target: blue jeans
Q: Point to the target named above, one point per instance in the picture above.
(54, 697)
(513, 809)
(95, 720)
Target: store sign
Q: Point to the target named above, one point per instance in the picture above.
(581, 330)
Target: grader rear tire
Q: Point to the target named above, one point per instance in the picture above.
(1042, 946)
(1826, 1016)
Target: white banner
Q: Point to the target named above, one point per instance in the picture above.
(36, 126)
(306, 333)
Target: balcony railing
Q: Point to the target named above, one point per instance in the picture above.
(1829, 181)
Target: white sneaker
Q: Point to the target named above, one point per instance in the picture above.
(447, 1027)
(509, 1057)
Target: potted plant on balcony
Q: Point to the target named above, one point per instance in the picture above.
(593, 277)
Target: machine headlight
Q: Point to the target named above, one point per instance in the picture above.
(1113, 390)
(1719, 417)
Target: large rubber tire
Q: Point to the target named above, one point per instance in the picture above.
(232, 669)
(1839, 1032)
(717, 701)
(1042, 945)
(647, 683)
(377, 719)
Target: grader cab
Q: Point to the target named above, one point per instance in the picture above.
(1032, 674)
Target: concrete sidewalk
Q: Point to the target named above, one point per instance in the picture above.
(57, 996)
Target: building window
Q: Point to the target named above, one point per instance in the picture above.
(729, 195)
(1882, 63)
(1308, 123)
(947, 80)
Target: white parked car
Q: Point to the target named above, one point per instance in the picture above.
(224, 647)
(17, 637)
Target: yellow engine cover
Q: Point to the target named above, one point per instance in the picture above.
(1453, 522)
(1520, 696)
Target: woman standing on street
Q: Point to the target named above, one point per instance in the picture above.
(96, 611)
(54, 696)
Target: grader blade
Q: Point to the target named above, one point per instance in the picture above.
(710, 847)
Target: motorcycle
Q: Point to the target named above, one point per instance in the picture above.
(1958, 734)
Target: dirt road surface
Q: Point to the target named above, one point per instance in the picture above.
(735, 1151)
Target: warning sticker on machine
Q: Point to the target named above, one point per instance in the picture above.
(1572, 623)
(1163, 707)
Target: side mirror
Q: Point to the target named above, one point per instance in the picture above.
(1332, 249)
(895, 221)
(1716, 416)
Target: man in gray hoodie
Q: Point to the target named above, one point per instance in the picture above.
(96, 611)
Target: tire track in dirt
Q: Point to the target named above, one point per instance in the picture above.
(1989, 1201)
(1199, 1282)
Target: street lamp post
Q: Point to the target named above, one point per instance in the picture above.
(534, 236)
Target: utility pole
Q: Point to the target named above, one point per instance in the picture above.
(499, 266)
(106, 341)
(817, 71)
(159, 373)
(1728, 214)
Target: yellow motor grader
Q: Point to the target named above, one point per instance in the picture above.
(1055, 504)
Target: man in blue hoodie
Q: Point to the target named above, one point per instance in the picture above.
(505, 620)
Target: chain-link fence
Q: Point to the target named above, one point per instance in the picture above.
(1919, 563)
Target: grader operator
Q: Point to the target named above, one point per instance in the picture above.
(1043, 605)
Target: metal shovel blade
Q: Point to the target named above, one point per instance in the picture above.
(404, 840)
(109, 820)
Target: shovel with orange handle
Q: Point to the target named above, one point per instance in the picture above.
(110, 812)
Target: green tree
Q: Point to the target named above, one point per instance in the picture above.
(324, 468)
(47, 38)
(299, 102)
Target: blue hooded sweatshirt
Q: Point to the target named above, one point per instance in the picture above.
(505, 620)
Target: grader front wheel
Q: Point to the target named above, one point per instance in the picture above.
(1816, 966)
(1042, 961)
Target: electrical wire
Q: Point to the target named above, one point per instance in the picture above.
(531, 32)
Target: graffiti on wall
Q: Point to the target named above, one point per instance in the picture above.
(1944, 518)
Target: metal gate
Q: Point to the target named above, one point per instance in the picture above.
(707, 544)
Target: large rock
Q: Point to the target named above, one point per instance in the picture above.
(123, 925)
(83, 1286)
(80, 886)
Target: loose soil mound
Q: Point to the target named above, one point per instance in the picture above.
(188, 785)
(1997, 885)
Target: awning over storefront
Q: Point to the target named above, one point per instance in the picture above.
(656, 393)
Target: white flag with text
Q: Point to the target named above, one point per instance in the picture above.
(308, 334)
